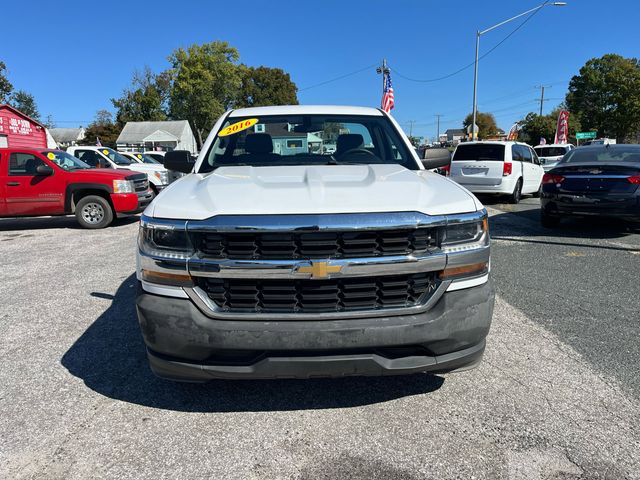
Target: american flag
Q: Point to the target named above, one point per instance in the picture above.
(387, 94)
(98, 142)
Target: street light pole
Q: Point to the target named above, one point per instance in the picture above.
(479, 33)
(475, 89)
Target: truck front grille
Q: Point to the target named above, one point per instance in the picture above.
(141, 185)
(313, 296)
(285, 246)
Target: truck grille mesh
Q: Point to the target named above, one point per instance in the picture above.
(285, 246)
(141, 185)
(313, 296)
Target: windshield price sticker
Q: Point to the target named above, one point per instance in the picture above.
(106, 152)
(139, 156)
(238, 127)
(51, 156)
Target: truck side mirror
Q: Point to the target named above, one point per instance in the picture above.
(44, 170)
(436, 158)
(179, 161)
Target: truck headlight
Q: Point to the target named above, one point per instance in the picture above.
(467, 246)
(164, 239)
(123, 186)
(466, 235)
(162, 176)
(164, 249)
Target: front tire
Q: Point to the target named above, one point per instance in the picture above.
(94, 212)
(517, 192)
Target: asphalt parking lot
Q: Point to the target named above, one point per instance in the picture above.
(557, 395)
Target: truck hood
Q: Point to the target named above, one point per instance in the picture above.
(106, 173)
(247, 190)
(145, 167)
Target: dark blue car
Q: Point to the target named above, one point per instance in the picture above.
(598, 180)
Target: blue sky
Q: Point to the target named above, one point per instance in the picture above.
(74, 57)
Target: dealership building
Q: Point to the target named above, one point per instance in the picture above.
(17, 130)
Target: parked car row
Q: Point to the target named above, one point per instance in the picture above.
(104, 157)
(53, 182)
(96, 184)
(601, 179)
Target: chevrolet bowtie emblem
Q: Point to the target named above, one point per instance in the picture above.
(320, 269)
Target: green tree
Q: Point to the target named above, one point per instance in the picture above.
(49, 122)
(25, 102)
(486, 123)
(103, 128)
(535, 127)
(606, 96)
(146, 99)
(415, 141)
(5, 85)
(266, 86)
(206, 81)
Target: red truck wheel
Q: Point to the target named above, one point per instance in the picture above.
(94, 211)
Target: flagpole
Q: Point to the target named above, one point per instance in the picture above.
(384, 70)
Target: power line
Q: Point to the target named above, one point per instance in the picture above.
(337, 78)
(472, 63)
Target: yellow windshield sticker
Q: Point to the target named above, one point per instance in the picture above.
(139, 156)
(106, 152)
(238, 127)
(51, 156)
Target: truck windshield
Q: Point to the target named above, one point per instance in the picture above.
(115, 157)
(307, 140)
(145, 158)
(65, 160)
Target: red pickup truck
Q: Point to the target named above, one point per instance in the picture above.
(52, 182)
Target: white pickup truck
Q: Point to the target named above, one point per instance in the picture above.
(311, 261)
(108, 158)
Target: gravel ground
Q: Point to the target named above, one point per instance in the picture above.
(77, 399)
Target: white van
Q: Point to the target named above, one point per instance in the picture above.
(550, 155)
(505, 168)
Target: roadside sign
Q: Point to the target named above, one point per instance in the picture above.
(583, 135)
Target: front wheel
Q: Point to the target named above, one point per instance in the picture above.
(517, 192)
(94, 211)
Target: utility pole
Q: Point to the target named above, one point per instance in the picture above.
(411, 122)
(384, 70)
(542, 87)
(438, 115)
(479, 33)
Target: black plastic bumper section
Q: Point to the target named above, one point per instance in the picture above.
(183, 342)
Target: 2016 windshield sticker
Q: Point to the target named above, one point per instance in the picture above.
(238, 127)
(51, 156)
(106, 152)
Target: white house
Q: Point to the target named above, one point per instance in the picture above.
(67, 137)
(166, 136)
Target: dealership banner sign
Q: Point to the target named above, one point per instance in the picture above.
(562, 130)
(513, 132)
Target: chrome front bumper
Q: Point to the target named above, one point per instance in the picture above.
(433, 261)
